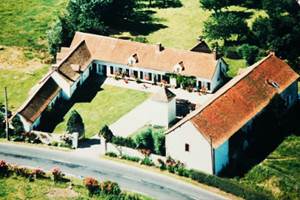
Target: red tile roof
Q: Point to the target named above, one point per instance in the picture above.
(39, 101)
(240, 100)
(149, 57)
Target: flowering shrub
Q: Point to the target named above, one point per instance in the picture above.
(22, 171)
(162, 164)
(3, 168)
(91, 184)
(38, 173)
(57, 174)
(108, 187)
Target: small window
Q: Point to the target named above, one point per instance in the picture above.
(187, 147)
(141, 75)
(208, 86)
(111, 70)
(150, 76)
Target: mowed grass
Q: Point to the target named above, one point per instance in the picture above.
(279, 173)
(19, 84)
(107, 106)
(25, 23)
(16, 187)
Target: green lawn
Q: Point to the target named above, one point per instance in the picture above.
(20, 188)
(280, 171)
(106, 107)
(234, 66)
(25, 23)
(18, 84)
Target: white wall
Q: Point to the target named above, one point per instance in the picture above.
(172, 110)
(62, 83)
(219, 73)
(199, 155)
(160, 114)
(221, 157)
(27, 125)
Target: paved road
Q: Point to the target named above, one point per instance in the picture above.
(130, 178)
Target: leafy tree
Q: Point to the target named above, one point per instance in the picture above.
(75, 124)
(224, 26)
(106, 133)
(18, 125)
(249, 53)
(159, 143)
(145, 140)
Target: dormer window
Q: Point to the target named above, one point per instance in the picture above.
(133, 59)
(179, 67)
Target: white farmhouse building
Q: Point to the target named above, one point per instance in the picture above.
(91, 54)
(203, 140)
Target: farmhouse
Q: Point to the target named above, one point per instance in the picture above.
(205, 139)
(95, 55)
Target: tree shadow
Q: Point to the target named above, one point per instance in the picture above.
(141, 22)
(86, 143)
(161, 4)
(85, 93)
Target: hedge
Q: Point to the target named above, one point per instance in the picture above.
(122, 141)
(230, 186)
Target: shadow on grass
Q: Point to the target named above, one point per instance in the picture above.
(268, 133)
(161, 3)
(86, 143)
(141, 22)
(85, 93)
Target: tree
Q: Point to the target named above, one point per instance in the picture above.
(18, 125)
(224, 26)
(106, 133)
(75, 124)
(2, 125)
(249, 53)
(145, 140)
(159, 143)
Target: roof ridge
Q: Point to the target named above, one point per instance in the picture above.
(219, 93)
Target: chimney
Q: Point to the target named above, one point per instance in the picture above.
(216, 53)
(159, 47)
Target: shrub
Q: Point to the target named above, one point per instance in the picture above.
(57, 174)
(38, 173)
(145, 140)
(121, 141)
(128, 196)
(233, 53)
(110, 188)
(181, 171)
(147, 161)
(3, 168)
(92, 185)
(111, 154)
(159, 143)
(22, 171)
(249, 52)
(18, 125)
(54, 143)
(162, 165)
(131, 158)
(106, 133)
(229, 186)
(75, 124)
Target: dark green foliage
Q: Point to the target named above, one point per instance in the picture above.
(106, 133)
(111, 154)
(232, 52)
(249, 53)
(147, 161)
(110, 188)
(279, 31)
(2, 125)
(145, 140)
(230, 186)
(131, 158)
(75, 124)
(159, 142)
(18, 125)
(225, 25)
(121, 141)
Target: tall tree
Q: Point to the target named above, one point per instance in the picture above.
(18, 125)
(75, 124)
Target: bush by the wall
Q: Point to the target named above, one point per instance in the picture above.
(38, 173)
(131, 158)
(122, 141)
(57, 174)
(111, 154)
(147, 161)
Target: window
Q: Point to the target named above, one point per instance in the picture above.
(208, 86)
(111, 70)
(187, 147)
(158, 78)
(200, 84)
(141, 75)
(150, 76)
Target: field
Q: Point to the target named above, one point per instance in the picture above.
(105, 108)
(20, 188)
(279, 173)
